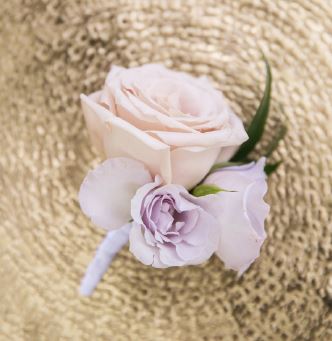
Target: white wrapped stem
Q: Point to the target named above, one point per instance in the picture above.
(107, 250)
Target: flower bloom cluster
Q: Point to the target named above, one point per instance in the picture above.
(161, 131)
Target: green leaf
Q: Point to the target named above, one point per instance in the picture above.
(271, 167)
(206, 189)
(223, 165)
(202, 190)
(282, 130)
(257, 125)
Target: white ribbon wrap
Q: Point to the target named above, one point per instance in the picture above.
(107, 250)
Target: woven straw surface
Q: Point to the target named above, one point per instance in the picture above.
(53, 50)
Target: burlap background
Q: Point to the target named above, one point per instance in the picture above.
(50, 51)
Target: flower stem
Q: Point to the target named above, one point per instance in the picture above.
(107, 250)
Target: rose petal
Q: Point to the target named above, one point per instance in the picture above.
(218, 138)
(226, 153)
(230, 135)
(119, 138)
(97, 128)
(140, 108)
(106, 96)
(191, 164)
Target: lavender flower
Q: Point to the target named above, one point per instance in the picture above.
(170, 227)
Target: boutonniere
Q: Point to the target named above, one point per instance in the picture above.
(177, 182)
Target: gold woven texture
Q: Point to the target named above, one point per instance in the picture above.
(50, 52)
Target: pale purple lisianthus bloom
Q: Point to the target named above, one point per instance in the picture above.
(241, 213)
(170, 227)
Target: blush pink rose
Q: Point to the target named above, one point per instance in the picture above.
(176, 124)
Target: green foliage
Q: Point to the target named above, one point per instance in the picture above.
(206, 189)
(281, 132)
(271, 167)
(256, 128)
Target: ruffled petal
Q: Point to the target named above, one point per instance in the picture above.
(256, 208)
(169, 256)
(106, 191)
(144, 252)
(209, 227)
(137, 200)
(191, 164)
